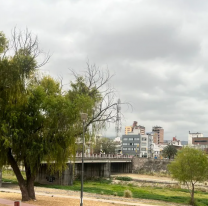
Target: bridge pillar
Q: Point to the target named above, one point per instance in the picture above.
(68, 175)
(107, 169)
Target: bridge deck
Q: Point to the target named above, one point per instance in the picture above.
(102, 158)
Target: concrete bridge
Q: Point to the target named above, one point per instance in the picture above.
(94, 166)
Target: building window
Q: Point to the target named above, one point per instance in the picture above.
(124, 148)
(144, 144)
(125, 139)
(143, 149)
(144, 139)
(125, 144)
(130, 138)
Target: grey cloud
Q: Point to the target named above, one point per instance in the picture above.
(142, 43)
(157, 50)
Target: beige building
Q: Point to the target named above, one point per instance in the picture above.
(135, 126)
(142, 129)
(158, 134)
(128, 129)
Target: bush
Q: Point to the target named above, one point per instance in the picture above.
(115, 194)
(124, 178)
(127, 193)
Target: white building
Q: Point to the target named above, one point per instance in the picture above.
(156, 150)
(192, 135)
(175, 142)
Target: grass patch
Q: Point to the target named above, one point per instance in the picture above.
(156, 193)
(124, 178)
(9, 176)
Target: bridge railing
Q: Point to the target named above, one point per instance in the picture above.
(104, 156)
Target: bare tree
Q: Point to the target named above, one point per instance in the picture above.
(105, 110)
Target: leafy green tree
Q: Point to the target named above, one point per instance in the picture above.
(189, 167)
(38, 120)
(3, 42)
(105, 145)
(169, 151)
(35, 123)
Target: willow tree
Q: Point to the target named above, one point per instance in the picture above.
(34, 115)
(38, 120)
(21, 119)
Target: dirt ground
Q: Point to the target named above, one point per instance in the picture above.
(144, 177)
(61, 201)
(54, 201)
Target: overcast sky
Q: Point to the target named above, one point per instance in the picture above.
(157, 50)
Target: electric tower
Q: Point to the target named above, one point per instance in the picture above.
(118, 118)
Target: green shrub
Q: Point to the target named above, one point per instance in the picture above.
(127, 193)
(115, 194)
(124, 178)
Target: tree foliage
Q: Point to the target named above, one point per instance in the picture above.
(189, 167)
(169, 151)
(104, 145)
(3, 43)
(38, 120)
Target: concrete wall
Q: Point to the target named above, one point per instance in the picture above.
(64, 178)
(147, 165)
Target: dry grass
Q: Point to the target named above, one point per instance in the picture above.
(53, 201)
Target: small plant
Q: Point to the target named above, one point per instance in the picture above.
(127, 194)
(102, 193)
(115, 194)
(124, 178)
(130, 185)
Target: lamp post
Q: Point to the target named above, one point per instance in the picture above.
(83, 118)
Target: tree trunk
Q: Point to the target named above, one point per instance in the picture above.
(21, 181)
(30, 182)
(192, 195)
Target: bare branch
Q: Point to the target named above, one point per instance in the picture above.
(29, 45)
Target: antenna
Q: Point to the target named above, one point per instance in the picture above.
(118, 118)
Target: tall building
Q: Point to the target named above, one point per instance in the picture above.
(158, 134)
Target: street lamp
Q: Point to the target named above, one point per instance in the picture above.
(83, 118)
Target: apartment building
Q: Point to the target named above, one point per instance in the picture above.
(158, 134)
(135, 143)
